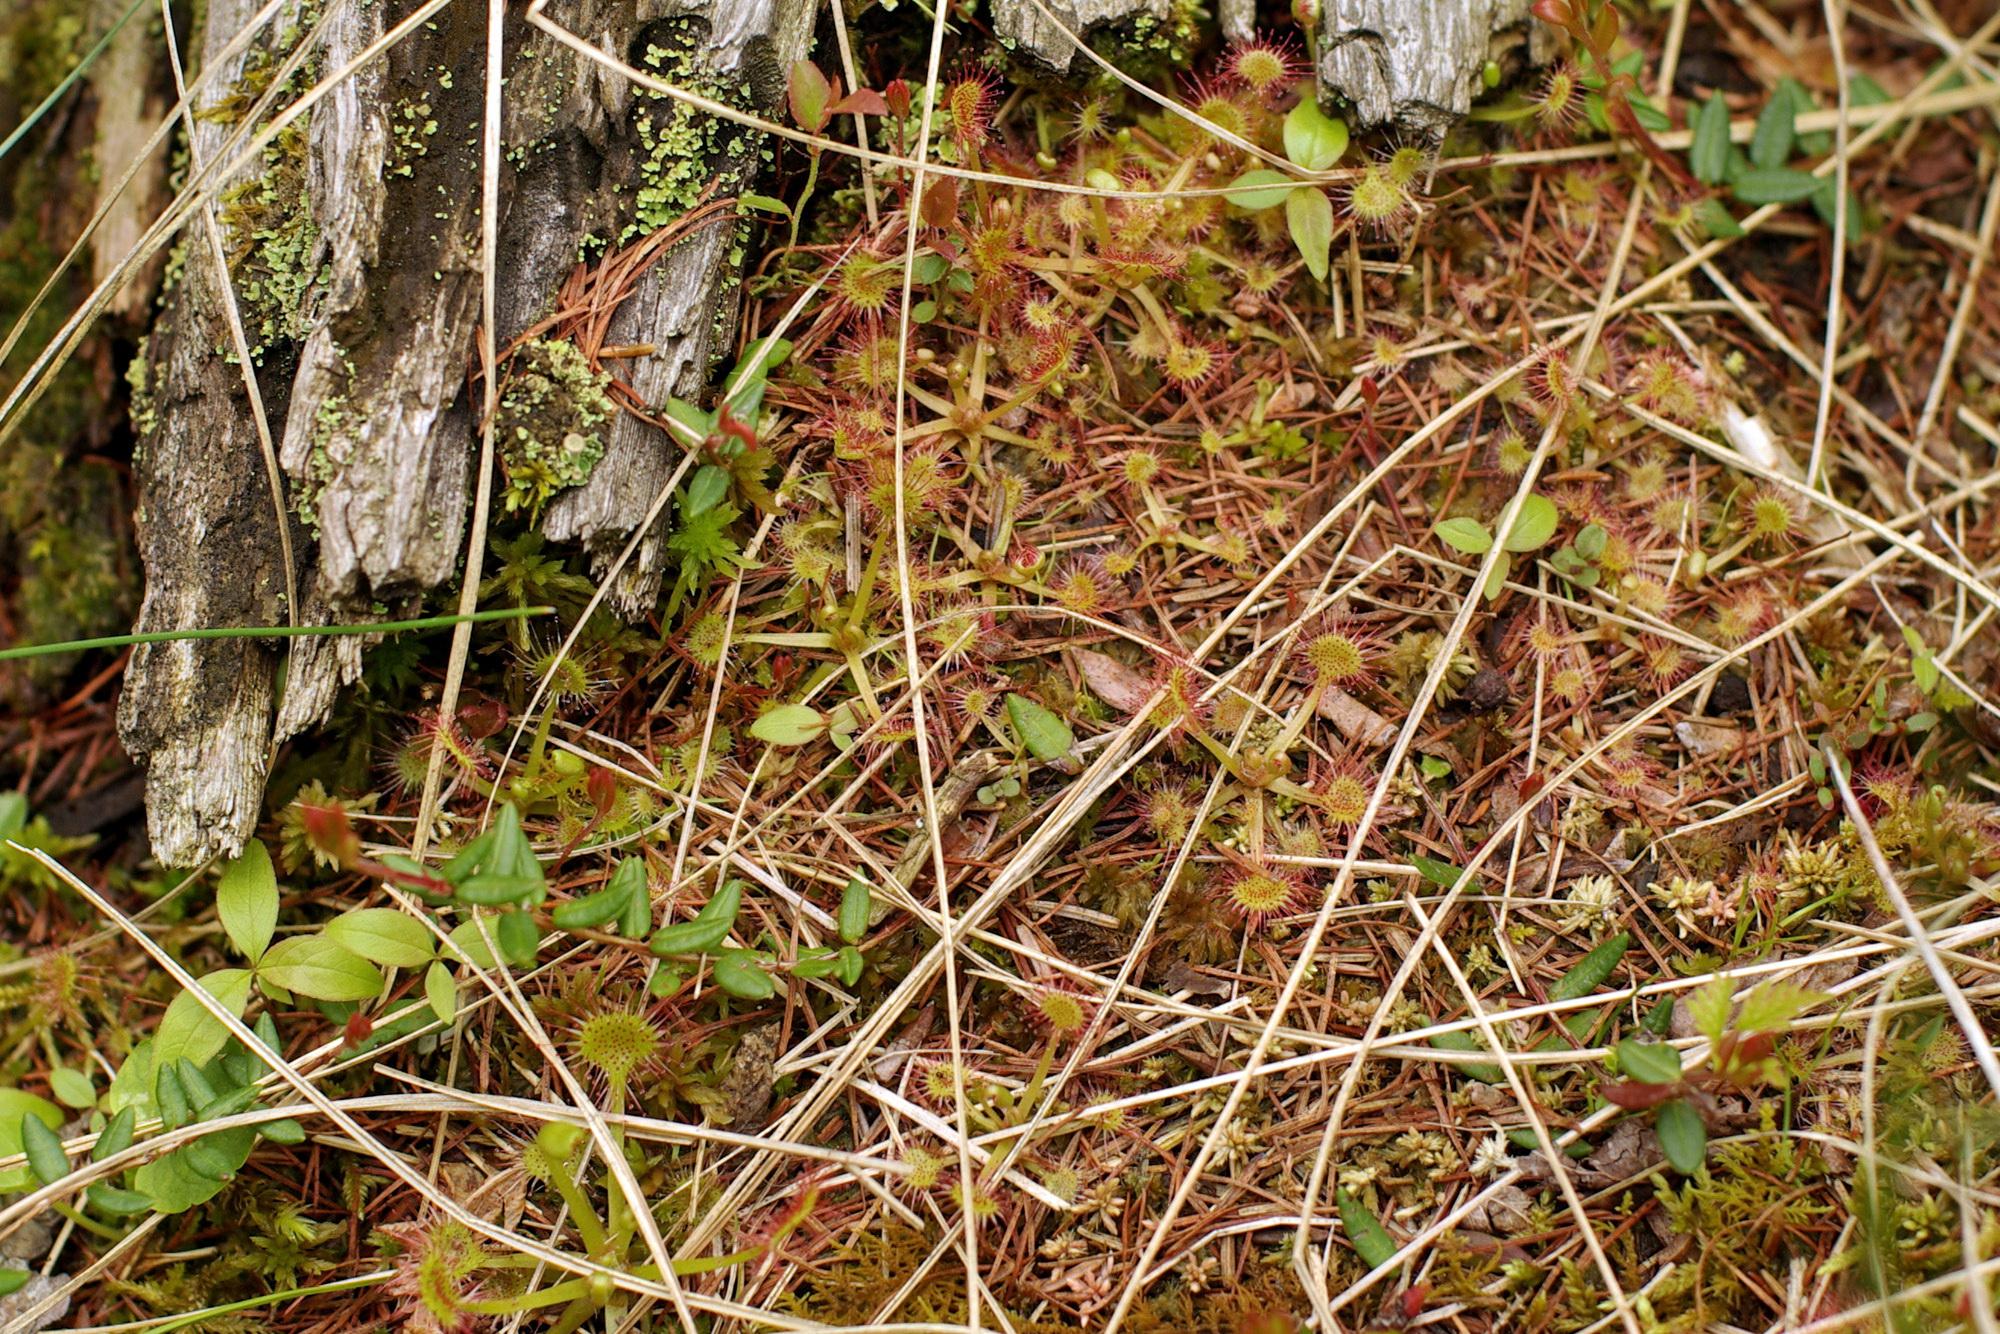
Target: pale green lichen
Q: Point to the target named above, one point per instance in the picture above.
(327, 423)
(682, 149)
(139, 379)
(411, 127)
(551, 404)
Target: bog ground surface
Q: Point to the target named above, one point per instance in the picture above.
(1242, 723)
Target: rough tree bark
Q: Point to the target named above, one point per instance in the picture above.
(1414, 64)
(370, 404)
(365, 369)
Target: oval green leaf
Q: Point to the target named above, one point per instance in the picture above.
(441, 991)
(1534, 525)
(188, 1031)
(737, 972)
(1309, 215)
(1778, 185)
(789, 725)
(246, 899)
(1258, 190)
(855, 903)
(1314, 139)
(1649, 1062)
(1466, 535)
(1683, 1137)
(320, 968)
(1709, 153)
(1046, 736)
(382, 936)
(72, 1087)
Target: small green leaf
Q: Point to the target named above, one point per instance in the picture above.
(1313, 139)
(1371, 1241)
(764, 204)
(1496, 578)
(927, 269)
(318, 967)
(706, 490)
(848, 965)
(1709, 153)
(44, 1148)
(626, 883)
(1649, 1062)
(116, 1137)
(1466, 535)
(707, 929)
(1683, 1137)
(1259, 189)
(246, 899)
(1772, 142)
(1593, 970)
(1437, 872)
(116, 1199)
(737, 972)
(468, 945)
(1046, 736)
(1459, 1040)
(13, 1280)
(855, 903)
(1309, 215)
(1775, 185)
(441, 991)
(14, 1105)
(1590, 541)
(1716, 220)
(1534, 525)
(72, 1087)
(188, 1031)
(519, 941)
(383, 936)
(789, 725)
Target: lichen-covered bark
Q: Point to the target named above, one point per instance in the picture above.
(736, 51)
(197, 714)
(1413, 63)
(1034, 29)
(368, 327)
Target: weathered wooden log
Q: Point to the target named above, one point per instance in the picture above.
(1034, 30)
(1415, 64)
(197, 714)
(739, 52)
(378, 290)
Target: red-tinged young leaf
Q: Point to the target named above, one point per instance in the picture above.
(896, 96)
(327, 829)
(602, 786)
(860, 102)
(940, 203)
(811, 96)
(1636, 1097)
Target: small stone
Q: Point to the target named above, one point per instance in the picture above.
(1731, 695)
(1486, 690)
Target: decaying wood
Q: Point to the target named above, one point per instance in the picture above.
(683, 306)
(1414, 63)
(1034, 30)
(372, 414)
(197, 714)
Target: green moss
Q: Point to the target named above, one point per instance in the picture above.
(551, 403)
